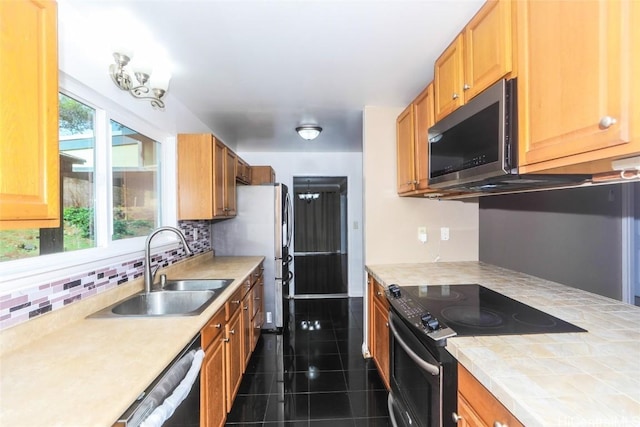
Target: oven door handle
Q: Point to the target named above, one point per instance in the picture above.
(427, 367)
(392, 415)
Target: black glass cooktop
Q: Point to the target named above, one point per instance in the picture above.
(475, 310)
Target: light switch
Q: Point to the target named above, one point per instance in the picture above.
(422, 234)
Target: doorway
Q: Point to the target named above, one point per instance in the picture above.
(320, 237)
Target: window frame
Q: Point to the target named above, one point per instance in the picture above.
(27, 272)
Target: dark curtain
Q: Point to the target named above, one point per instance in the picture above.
(317, 223)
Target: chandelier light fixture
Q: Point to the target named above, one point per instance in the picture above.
(308, 196)
(309, 132)
(150, 85)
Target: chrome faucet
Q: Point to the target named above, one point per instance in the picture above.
(148, 274)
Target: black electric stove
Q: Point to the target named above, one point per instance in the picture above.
(443, 311)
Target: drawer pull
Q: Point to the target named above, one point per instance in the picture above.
(235, 301)
(455, 96)
(499, 424)
(217, 326)
(455, 417)
(225, 339)
(232, 332)
(379, 293)
(245, 308)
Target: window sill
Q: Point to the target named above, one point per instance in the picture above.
(25, 273)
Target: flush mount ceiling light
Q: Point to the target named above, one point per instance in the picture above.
(150, 85)
(309, 132)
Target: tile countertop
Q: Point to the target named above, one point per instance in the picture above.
(88, 372)
(569, 379)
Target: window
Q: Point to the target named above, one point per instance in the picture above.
(84, 151)
(135, 182)
(77, 185)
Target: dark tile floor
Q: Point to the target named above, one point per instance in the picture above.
(314, 373)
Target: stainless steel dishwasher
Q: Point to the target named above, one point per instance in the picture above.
(187, 413)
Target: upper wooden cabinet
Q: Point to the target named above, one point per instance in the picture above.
(404, 146)
(578, 91)
(262, 175)
(29, 160)
(477, 58)
(413, 144)
(243, 171)
(206, 178)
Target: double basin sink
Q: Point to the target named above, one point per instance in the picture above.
(188, 297)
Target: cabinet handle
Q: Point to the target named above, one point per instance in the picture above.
(606, 122)
(386, 324)
(225, 339)
(455, 96)
(232, 332)
(499, 424)
(217, 326)
(379, 293)
(466, 87)
(246, 308)
(455, 417)
(236, 301)
(257, 298)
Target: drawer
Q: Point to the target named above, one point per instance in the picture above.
(233, 303)
(213, 328)
(378, 293)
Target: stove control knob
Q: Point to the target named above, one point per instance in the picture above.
(425, 318)
(395, 291)
(433, 324)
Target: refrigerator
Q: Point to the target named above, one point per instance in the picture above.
(262, 226)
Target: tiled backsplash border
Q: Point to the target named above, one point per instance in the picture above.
(21, 306)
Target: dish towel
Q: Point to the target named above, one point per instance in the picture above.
(168, 407)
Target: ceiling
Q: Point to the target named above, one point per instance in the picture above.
(254, 70)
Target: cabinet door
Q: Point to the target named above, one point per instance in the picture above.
(230, 183)
(404, 147)
(381, 339)
(466, 416)
(487, 47)
(448, 79)
(219, 160)
(233, 357)
(423, 121)
(195, 176)
(247, 329)
(212, 399)
(29, 159)
(573, 67)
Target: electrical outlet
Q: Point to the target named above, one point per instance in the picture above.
(422, 234)
(195, 234)
(444, 233)
(269, 317)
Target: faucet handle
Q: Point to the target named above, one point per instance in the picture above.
(163, 280)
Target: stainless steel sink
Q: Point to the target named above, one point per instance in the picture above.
(161, 303)
(196, 284)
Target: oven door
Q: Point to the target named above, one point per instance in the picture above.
(416, 379)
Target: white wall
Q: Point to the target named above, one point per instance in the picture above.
(289, 165)
(391, 222)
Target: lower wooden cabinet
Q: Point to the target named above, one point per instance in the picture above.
(379, 328)
(213, 412)
(477, 407)
(228, 340)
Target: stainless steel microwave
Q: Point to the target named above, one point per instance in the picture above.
(477, 141)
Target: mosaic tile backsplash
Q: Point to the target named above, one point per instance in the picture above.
(20, 306)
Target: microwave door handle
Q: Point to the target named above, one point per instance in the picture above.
(427, 367)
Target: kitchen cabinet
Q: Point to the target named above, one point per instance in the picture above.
(29, 153)
(262, 175)
(477, 407)
(213, 410)
(413, 144)
(247, 325)
(578, 94)
(243, 171)
(233, 347)
(205, 178)
(379, 328)
(478, 57)
(257, 319)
